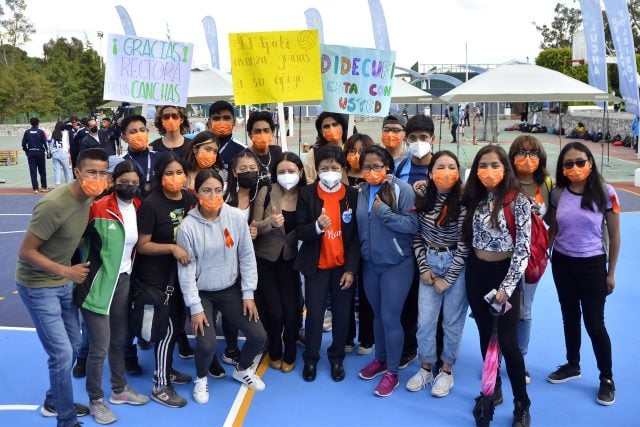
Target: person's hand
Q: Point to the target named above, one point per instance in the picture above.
(428, 277)
(324, 220)
(250, 310)
(388, 179)
(277, 219)
(376, 203)
(199, 322)
(77, 273)
(611, 283)
(440, 285)
(420, 186)
(253, 230)
(346, 280)
(180, 255)
(501, 297)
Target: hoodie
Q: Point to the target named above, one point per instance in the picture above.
(220, 251)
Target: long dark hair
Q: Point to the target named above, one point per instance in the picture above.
(163, 162)
(366, 140)
(201, 138)
(475, 192)
(593, 197)
(231, 198)
(386, 192)
(451, 206)
(520, 143)
(56, 135)
(320, 141)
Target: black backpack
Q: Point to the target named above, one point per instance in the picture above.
(627, 141)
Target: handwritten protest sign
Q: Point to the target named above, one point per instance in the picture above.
(275, 66)
(147, 71)
(357, 80)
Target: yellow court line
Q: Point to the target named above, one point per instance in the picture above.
(246, 402)
(628, 191)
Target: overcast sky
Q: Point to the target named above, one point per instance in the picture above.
(427, 31)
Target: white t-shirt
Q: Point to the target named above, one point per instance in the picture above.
(128, 211)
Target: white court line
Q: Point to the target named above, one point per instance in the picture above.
(19, 407)
(1, 214)
(13, 232)
(235, 407)
(16, 328)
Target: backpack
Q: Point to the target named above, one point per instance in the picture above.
(539, 257)
(628, 141)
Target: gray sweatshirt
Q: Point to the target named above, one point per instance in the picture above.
(216, 255)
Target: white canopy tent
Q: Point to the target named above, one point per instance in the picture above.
(207, 85)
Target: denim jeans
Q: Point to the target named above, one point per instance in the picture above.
(524, 324)
(55, 317)
(60, 161)
(454, 306)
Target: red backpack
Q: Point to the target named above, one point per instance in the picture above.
(539, 241)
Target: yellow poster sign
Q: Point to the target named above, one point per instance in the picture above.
(282, 66)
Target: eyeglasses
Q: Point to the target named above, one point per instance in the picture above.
(392, 130)
(533, 154)
(354, 151)
(217, 118)
(375, 168)
(421, 138)
(167, 116)
(570, 163)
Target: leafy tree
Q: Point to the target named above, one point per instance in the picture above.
(559, 34)
(16, 29)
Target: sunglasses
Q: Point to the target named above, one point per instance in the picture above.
(570, 163)
(167, 116)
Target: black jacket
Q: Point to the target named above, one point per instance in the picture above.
(308, 210)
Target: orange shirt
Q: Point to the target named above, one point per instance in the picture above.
(331, 246)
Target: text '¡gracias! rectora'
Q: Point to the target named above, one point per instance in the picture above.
(345, 67)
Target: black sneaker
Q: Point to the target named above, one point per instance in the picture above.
(131, 366)
(179, 378)
(607, 392)
(521, 415)
(184, 349)
(215, 369)
(167, 396)
(564, 373)
(48, 410)
(144, 345)
(231, 357)
(406, 359)
(80, 370)
(497, 392)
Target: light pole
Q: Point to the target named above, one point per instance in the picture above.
(100, 35)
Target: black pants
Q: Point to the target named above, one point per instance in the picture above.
(481, 277)
(316, 289)
(164, 347)
(37, 166)
(454, 131)
(278, 299)
(409, 317)
(582, 282)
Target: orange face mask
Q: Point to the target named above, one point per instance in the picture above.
(576, 174)
(373, 177)
(391, 140)
(354, 161)
(139, 141)
(171, 125)
(222, 128)
(333, 134)
(526, 165)
(490, 178)
(93, 187)
(174, 182)
(211, 205)
(445, 179)
(205, 159)
(261, 141)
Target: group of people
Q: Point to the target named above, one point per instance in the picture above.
(203, 229)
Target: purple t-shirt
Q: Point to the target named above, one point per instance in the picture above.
(580, 230)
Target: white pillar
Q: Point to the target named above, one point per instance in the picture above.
(283, 126)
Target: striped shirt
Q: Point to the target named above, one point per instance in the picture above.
(430, 233)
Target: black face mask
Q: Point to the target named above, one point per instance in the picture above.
(126, 191)
(94, 129)
(248, 179)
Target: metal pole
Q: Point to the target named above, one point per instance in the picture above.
(440, 136)
(559, 126)
(300, 131)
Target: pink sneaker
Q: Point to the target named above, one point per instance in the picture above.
(387, 384)
(372, 370)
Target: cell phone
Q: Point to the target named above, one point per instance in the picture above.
(498, 308)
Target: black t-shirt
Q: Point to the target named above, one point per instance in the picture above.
(160, 217)
(158, 145)
(266, 161)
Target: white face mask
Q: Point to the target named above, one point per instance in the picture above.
(419, 149)
(331, 180)
(288, 180)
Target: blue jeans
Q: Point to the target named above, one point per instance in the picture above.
(524, 324)
(55, 317)
(60, 161)
(454, 306)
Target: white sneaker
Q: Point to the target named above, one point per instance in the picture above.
(249, 378)
(201, 390)
(442, 384)
(419, 380)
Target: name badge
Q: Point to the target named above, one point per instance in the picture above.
(346, 216)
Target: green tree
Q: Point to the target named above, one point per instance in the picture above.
(16, 29)
(560, 33)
